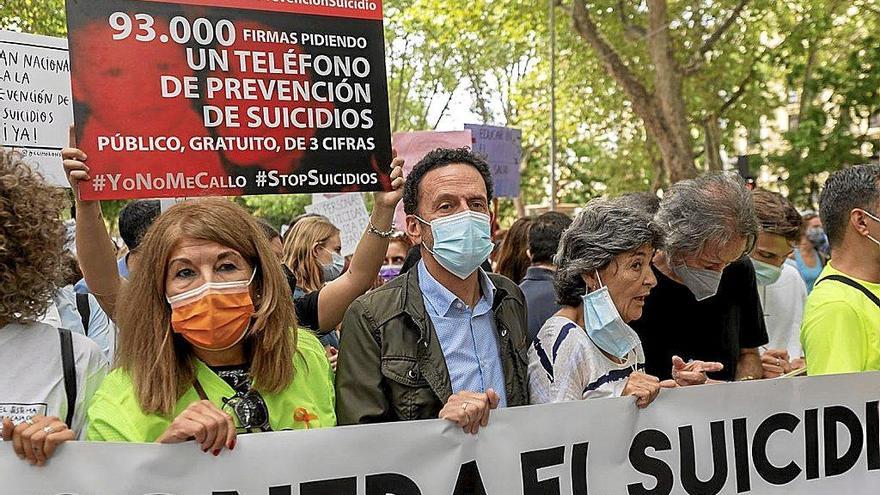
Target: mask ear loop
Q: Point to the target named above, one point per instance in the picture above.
(430, 250)
(601, 285)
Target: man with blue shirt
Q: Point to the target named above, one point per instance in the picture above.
(446, 339)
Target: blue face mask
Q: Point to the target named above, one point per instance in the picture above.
(766, 273)
(333, 270)
(702, 283)
(604, 325)
(462, 242)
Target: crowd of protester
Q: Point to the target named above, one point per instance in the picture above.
(212, 324)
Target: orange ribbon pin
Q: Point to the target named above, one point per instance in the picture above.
(302, 415)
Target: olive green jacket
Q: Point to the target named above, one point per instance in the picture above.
(391, 366)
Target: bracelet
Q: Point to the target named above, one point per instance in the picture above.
(384, 234)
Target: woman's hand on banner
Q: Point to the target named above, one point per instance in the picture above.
(690, 373)
(470, 410)
(389, 199)
(203, 422)
(37, 438)
(643, 387)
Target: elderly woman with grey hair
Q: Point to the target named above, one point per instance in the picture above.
(587, 349)
(705, 305)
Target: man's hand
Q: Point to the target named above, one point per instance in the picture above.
(470, 410)
(776, 363)
(389, 199)
(643, 387)
(37, 438)
(692, 372)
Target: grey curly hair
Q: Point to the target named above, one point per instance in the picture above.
(604, 229)
(714, 208)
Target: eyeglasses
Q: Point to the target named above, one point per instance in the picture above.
(249, 408)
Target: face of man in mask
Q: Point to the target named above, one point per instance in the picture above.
(770, 253)
(701, 271)
(452, 221)
(717, 256)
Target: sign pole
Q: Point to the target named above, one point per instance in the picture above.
(553, 186)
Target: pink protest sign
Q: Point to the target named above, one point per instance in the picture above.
(413, 146)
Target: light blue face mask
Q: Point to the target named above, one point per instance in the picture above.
(702, 283)
(333, 270)
(462, 242)
(766, 273)
(604, 325)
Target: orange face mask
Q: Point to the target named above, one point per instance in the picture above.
(214, 316)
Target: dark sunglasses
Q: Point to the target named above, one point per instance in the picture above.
(249, 409)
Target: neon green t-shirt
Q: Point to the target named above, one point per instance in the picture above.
(308, 402)
(841, 328)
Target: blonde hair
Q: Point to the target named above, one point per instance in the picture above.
(159, 361)
(299, 250)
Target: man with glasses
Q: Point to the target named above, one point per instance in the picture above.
(841, 329)
(705, 306)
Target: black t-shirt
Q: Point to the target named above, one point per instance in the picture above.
(306, 306)
(715, 329)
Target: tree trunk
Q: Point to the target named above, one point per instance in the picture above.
(663, 111)
(712, 130)
(668, 92)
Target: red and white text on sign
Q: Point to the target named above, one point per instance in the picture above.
(354, 9)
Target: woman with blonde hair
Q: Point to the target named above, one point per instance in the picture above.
(208, 342)
(210, 351)
(312, 251)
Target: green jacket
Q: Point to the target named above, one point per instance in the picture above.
(391, 366)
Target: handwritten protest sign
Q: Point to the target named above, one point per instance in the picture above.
(35, 106)
(413, 146)
(229, 97)
(348, 213)
(502, 147)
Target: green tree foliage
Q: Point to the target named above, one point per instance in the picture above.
(835, 71)
(34, 16)
(736, 60)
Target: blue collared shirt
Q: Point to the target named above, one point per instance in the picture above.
(121, 265)
(467, 336)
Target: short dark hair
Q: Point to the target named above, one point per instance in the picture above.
(776, 215)
(134, 220)
(544, 235)
(267, 228)
(440, 158)
(845, 190)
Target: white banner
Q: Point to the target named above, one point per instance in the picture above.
(805, 436)
(35, 108)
